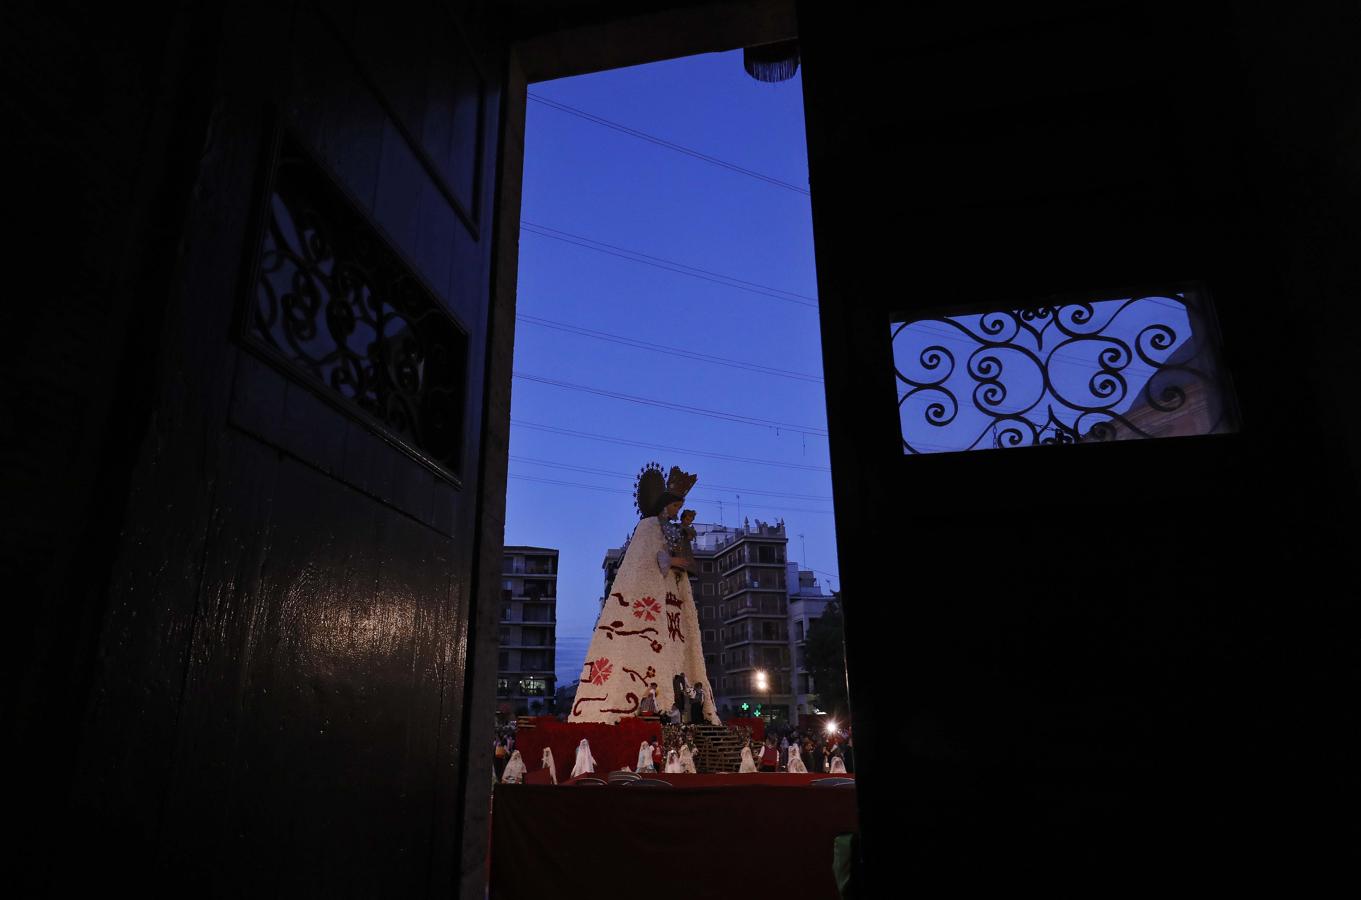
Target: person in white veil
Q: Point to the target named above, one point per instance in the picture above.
(585, 764)
(515, 770)
(838, 767)
(645, 758)
(673, 764)
(549, 764)
(748, 764)
(687, 760)
(796, 760)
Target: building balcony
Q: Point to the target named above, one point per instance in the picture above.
(752, 667)
(755, 638)
(765, 566)
(734, 590)
(753, 614)
(521, 620)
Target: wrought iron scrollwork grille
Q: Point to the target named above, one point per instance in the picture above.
(343, 312)
(1140, 366)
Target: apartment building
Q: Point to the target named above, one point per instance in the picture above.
(753, 628)
(525, 681)
(806, 605)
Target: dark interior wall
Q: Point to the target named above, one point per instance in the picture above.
(105, 114)
(1102, 660)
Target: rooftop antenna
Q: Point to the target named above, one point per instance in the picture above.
(721, 520)
(739, 507)
(803, 550)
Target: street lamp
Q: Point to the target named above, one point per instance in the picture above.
(762, 684)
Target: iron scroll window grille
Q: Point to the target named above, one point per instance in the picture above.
(334, 304)
(1140, 365)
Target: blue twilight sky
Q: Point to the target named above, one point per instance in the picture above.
(592, 181)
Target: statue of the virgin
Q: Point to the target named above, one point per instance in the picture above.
(648, 632)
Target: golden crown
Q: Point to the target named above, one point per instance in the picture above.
(678, 483)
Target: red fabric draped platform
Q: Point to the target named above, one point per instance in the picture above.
(613, 746)
(684, 843)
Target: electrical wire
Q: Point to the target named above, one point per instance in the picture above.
(594, 471)
(654, 348)
(669, 266)
(626, 442)
(525, 223)
(610, 490)
(662, 142)
(679, 407)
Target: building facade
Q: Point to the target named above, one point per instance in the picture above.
(613, 557)
(806, 605)
(704, 586)
(755, 612)
(525, 682)
(753, 607)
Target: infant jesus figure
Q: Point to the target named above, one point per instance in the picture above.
(686, 550)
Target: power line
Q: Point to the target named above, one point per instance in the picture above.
(662, 142)
(610, 490)
(594, 471)
(679, 407)
(651, 347)
(708, 454)
(831, 576)
(524, 223)
(657, 262)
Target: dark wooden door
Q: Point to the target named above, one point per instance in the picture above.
(281, 685)
(1096, 661)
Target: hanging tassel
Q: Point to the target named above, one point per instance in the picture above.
(772, 62)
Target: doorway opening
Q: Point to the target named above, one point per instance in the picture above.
(666, 313)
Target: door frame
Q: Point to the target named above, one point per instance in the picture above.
(576, 49)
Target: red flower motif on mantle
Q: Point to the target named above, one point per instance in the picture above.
(647, 609)
(601, 669)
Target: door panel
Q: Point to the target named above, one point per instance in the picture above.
(315, 708)
(1090, 660)
(284, 709)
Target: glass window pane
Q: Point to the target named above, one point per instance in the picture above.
(1089, 369)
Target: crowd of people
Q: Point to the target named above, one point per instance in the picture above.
(790, 749)
(785, 748)
(503, 746)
